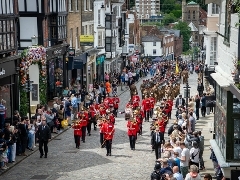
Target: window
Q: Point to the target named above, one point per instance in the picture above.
(194, 15)
(70, 5)
(154, 51)
(76, 3)
(99, 17)
(90, 5)
(213, 50)
(85, 30)
(220, 129)
(85, 5)
(99, 39)
(154, 43)
(77, 38)
(189, 14)
(236, 139)
(215, 9)
(71, 37)
(227, 22)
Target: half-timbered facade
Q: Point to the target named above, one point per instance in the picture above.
(43, 22)
(8, 57)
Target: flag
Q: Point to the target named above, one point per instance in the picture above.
(177, 68)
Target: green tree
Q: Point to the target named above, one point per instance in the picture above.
(185, 31)
(177, 13)
(169, 18)
(168, 6)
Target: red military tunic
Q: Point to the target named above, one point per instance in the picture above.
(135, 101)
(152, 102)
(110, 102)
(85, 119)
(146, 104)
(92, 111)
(161, 125)
(101, 125)
(132, 128)
(102, 111)
(77, 129)
(116, 102)
(112, 118)
(108, 131)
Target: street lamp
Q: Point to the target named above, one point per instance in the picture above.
(187, 95)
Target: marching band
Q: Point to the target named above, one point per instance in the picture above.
(157, 102)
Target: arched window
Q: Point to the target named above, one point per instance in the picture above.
(189, 14)
(194, 16)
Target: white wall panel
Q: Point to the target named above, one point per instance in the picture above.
(25, 44)
(28, 27)
(21, 5)
(11, 6)
(4, 7)
(31, 5)
(34, 76)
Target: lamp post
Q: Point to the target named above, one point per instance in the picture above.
(28, 89)
(187, 95)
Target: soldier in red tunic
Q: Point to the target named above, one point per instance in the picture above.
(108, 131)
(110, 116)
(146, 107)
(101, 123)
(132, 126)
(77, 126)
(152, 104)
(83, 116)
(135, 101)
(92, 113)
(116, 102)
(139, 120)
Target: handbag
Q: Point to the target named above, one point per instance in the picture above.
(51, 124)
(64, 123)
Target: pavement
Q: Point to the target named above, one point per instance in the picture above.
(65, 162)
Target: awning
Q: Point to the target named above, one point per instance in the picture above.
(221, 80)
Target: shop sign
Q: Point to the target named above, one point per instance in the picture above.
(71, 52)
(86, 40)
(2, 71)
(100, 59)
(57, 52)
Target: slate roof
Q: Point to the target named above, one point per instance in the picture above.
(151, 39)
(193, 27)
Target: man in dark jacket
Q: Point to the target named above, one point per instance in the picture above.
(23, 131)
(44, 135)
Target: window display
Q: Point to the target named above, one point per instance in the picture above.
(5, 95)
(220, 130)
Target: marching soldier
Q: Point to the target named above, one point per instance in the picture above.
(108, 132)
(132, 126)
(102, 121)
(185, 76)
(133, 90)
(135, 101)
(77, 126)
(146, 107)
(116, 102)
(152, 104)
(84, 120)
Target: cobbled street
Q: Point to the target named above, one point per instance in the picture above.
(90, 161)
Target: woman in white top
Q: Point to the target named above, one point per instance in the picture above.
(194, 154)
(126, 79)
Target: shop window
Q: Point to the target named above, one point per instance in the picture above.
(236, 105)
(227, 22)
(236, 139)
(224, 98)
(5, 95)
(220, 129)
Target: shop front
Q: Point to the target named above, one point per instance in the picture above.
(9, 88)
(91, 69)
(100, 67)
(56, 66)
(76, 74)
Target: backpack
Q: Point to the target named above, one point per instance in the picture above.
(155, 175)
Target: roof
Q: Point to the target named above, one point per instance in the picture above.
(175, 32)
(192, 3)
(150, 39)
(193, 27)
